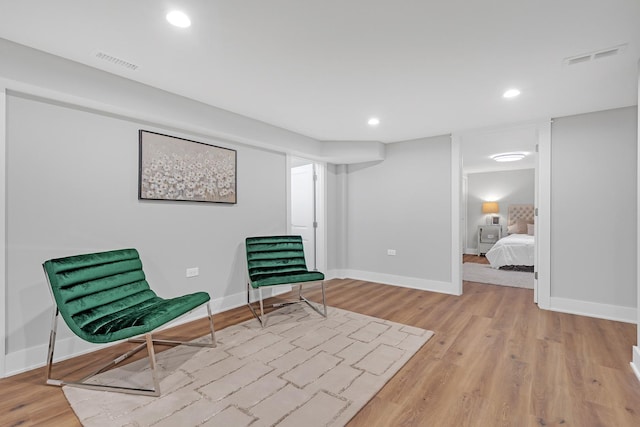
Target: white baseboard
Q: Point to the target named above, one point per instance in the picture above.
(594, 309)
(563, 305)
(335, 274)
(635, 362)
(471, 251)
(35, 357)
(391, 279)
(66, 348)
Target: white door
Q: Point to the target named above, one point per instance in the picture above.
(303, 210)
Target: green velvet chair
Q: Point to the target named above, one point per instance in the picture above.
(104, 297)
(278, 261)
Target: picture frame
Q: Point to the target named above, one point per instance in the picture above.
(495, 220)
(179, 169)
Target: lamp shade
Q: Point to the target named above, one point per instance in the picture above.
(490, 207)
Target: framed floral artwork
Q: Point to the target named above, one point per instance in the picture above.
(173, 168)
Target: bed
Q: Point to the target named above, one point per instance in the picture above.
(516, 250)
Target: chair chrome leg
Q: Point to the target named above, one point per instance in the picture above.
(211, 327)
(152, 362)
(324, 300)
(148, 343)
(212, 344)
(102, 387)
(262, 317)
(250, 304)
(263, 320)
(115, 361)
(313, 305)
(248, 294)
(52, 342)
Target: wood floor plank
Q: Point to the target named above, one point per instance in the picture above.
(552, 395)
(495, 360)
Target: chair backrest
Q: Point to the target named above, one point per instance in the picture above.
(269, 256)
(87, 288)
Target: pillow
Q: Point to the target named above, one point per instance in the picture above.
(531, 229)
(519, 227)
(522, 226)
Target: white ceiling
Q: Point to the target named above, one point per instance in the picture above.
(478, 146)
(322, 68)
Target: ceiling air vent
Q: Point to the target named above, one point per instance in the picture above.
(605, 53)
(116, 61)
(598, 54)
(578, 59)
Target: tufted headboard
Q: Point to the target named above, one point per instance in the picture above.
(518, 216)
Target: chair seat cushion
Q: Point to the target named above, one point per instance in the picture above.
(288, 278)
(108, 323)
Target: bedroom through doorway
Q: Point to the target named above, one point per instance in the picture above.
(499, 193)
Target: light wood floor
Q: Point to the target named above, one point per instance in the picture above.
(495, 360)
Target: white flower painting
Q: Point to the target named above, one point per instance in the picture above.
(179, 169)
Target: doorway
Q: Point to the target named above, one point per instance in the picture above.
(476, 149)
(307, 208)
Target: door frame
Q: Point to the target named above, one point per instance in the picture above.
(542, 286)
(543, 217)
(456, 215)
(3, 226)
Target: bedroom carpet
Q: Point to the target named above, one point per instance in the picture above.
(483, 273)
(302, 369)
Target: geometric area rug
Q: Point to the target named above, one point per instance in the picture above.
(300, 370)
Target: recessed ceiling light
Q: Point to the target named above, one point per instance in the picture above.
(374, 121)
(179, 19)
(508, 157)
(511, 93)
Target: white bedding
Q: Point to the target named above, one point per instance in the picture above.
(515, 249)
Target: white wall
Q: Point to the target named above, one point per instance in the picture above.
(72, 188)
(505, 187)
(593, 213)
(73, 82)
(404, 204)
(336, 188)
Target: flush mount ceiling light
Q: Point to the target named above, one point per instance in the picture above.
(508, 157)
(179, 19)
(511, 93)
(374, 121)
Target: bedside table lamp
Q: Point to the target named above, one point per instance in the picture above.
(490, 208)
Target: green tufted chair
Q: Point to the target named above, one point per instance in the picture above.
(277, 261)
(104, 297)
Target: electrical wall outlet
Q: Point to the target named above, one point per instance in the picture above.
(391, 252)
(192, 272)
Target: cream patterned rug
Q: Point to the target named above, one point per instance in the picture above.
(301, 370)
(483, 273)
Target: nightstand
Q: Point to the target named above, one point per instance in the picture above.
(488, 235)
